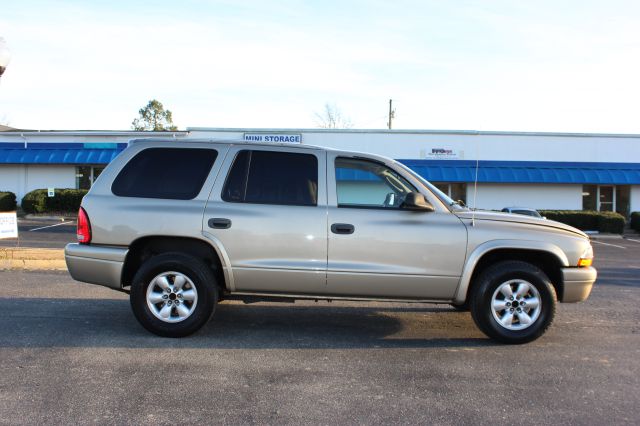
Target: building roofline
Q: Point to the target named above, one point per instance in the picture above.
(413, 131)
(188, 130)
(93, 133)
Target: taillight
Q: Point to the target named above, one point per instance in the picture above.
(84, 227)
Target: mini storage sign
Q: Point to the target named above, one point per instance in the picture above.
(273, 137)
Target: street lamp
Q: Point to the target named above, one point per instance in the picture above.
(5, 56)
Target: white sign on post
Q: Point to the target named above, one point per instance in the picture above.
(51, 192)
(8, 225)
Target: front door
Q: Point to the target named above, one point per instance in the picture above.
(378, 249)
(606, 198)
(270, 215)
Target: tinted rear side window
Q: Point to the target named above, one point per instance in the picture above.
(269, 177)
(169, 173)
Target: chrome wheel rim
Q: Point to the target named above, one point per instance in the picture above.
(172, 297)
(516, 305)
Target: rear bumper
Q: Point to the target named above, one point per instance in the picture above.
(96, 265)
(577, 283)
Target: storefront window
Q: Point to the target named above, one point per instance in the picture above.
(622, 200)
(83, 177)
(589, 200)
(455, 191)
(606, 198)
(444, 187)
(96, 172)
(86, 175)
(458, 192)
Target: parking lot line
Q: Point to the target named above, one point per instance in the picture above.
(50, 226)
(607, 244)
(631, 239)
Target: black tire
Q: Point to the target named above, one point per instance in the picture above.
(195, 270)
(497, 276)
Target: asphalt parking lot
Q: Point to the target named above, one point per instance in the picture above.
(73, 352)
(39, 233)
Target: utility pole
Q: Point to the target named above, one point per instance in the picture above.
(392, 113)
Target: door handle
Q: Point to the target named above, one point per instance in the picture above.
(219, 223)
(342, 228)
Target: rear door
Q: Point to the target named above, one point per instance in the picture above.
(270, 214)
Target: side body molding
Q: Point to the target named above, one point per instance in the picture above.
(484, 248)
(224, 259)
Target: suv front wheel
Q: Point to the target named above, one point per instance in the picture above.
(173, 294)
(513, 302)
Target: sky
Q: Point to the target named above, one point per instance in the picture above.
(506, 65)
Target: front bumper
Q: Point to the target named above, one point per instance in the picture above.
(577, 283)
(96, 265)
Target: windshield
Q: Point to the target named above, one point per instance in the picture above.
(441, 195)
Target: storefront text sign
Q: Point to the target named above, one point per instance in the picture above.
(273, 137)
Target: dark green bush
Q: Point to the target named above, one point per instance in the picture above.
(635, 221)
(587, 220)
(611, 222)
(64, 201)
(7, 201)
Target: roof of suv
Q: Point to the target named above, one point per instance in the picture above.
(231, 141)
(266, 144)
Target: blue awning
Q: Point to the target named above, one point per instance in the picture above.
(58, 153)
(527, 171)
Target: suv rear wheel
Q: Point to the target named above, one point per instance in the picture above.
(513, 302)
(173, 294)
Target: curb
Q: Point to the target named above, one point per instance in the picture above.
(31, 259)
(605, 236)
(56, 218)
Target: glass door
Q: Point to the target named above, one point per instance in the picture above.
(606, 198)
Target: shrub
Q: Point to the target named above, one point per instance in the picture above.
(588, 220)
(65, 201)
(635, 221)
(7, 201)
(611, 222)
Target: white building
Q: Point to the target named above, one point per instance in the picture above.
(541, 170)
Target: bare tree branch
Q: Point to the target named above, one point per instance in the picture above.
(332, 118)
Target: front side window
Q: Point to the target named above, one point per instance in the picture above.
(368, 184)
(167, 173)
(272, 177)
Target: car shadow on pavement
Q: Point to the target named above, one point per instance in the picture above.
(49, 322)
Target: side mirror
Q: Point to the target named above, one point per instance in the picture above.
(416, 202)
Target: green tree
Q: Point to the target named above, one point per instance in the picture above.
(154, 117)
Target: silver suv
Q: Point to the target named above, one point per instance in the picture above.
(181, 225)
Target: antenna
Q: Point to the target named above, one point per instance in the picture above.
(475, 187)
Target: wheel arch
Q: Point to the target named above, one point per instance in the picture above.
(547, 256)
(145, 247)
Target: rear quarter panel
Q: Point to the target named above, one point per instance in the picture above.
(118, 221)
